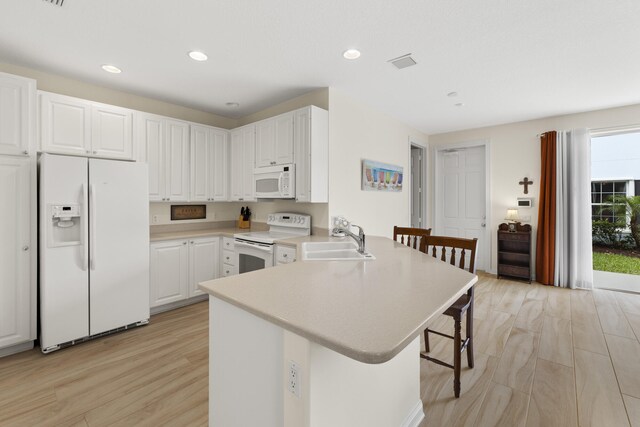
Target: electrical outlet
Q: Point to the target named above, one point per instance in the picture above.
(294, 379)
(155, 219)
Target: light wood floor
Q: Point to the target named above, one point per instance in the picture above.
(544, 357)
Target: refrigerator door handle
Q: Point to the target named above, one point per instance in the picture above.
(85, 232)
(92, 226)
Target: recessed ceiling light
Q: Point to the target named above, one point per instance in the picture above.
(351, 54)
(198, 56)
(460, 104)
(111, 69)
(452, 94)
(232, 104)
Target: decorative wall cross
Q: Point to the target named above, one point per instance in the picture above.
(526, 184)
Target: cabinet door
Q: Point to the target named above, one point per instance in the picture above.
(284, 139)
(150, 132)
(201, 152)
(111, 131)
(236, 165)
(265, 143)
(248, 155)
(17, 98)
(169, 272)
(220, 170)
(177, 160)
(15, 282)
(65, 124)
(204, 258)
(303, 154)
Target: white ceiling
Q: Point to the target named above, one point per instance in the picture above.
(509, 60)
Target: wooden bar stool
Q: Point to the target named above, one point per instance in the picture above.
(410, 236)
(464, 304)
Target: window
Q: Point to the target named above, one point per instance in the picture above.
(601, 191)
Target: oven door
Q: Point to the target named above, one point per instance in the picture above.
(253, 256)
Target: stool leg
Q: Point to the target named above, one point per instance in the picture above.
(470, 336)
(456, 357)
(426, 340)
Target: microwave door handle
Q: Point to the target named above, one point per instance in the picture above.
(249, 245)
(280, 183)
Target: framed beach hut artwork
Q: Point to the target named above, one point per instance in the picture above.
(378, 176)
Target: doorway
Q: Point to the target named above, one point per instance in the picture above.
(615, 183)
(417, 186)
(462, 196)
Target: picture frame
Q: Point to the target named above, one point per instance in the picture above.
(378, 176)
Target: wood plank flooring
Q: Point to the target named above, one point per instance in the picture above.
(560, 358)
(544, 357)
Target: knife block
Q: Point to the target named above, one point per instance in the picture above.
(242, 223)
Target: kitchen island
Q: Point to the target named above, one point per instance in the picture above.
(326, 343)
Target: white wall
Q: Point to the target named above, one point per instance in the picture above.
(515, 153)
(358, 132)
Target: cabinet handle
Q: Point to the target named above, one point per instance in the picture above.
(95, 152)
(25, 248)
(284, 255)
(184, 243)
(88, 151)
(192, 242)
(25, 152)
(240, 199)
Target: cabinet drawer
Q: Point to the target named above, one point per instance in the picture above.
(228, 270)
(285, 254)
(513, 270)
(227, 243)
(228, 257)
(520, 237)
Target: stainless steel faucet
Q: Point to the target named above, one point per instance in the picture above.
(359, 238)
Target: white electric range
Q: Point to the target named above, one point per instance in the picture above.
(255, 250)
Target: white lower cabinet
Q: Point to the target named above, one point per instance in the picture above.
(17, 284)
(177, 266)
(228, 258)
(169, 274)
(285, 254)
(204, 256)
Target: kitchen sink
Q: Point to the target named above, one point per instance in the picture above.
(333, 251)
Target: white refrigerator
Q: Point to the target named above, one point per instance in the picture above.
(94, 248)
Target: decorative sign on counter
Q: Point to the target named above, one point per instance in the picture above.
(182, 212)
(378, 176)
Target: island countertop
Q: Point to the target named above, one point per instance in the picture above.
(366, 310)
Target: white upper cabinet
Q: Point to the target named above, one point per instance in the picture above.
(80, 127)
(209, 164)
(150, 138)
(177, 160)
(220, 164)
(17, 114)
(311, 142)
(17, 304)
(242, 163)
(274, 141)
(111, 132)
(65, 124)
(164, 146)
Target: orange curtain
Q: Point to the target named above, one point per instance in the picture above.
(546, 245)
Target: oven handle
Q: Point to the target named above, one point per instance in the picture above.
(267, 248)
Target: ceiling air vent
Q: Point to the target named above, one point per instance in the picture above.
(56, 2)
(403, 61)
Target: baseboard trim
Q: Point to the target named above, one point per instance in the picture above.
(18, 348)
(178, 304)
(415, 417)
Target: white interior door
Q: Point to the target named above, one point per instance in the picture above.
(416, 187)
(119, 244)
(461, 197)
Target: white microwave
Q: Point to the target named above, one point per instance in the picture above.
(275, 182)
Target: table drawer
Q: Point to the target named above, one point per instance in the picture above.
(519, 237)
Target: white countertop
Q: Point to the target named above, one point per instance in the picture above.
(366, 310)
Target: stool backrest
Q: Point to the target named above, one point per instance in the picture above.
(450, 249)
(410, 236)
